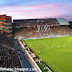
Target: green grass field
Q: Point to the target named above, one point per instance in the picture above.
(54, 52)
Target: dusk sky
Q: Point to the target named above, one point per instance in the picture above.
(29, 9)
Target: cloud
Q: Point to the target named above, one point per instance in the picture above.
(37, 10)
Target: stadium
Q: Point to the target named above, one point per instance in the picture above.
(49, 39)
(44, 44)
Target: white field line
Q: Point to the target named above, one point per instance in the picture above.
(49, 61)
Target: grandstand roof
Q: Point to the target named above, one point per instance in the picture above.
(62, 21)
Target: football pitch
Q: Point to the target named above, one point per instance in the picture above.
(54, 52)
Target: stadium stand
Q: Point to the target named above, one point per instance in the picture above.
(34, 22)
(32, 33)
(6, 40)
(27, 28)
(8, 56)
(61, 30)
